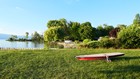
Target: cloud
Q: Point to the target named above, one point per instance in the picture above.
(19, 8)
(1, 29)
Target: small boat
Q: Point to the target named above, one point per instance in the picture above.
(99, 56)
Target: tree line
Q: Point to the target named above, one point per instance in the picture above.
(59, 30)
(34, 37)
(124, 36)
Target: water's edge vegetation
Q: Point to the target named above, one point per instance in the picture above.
(103, 36)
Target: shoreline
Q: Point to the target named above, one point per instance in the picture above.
(20, 48)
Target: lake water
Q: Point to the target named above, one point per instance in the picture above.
(17, 44)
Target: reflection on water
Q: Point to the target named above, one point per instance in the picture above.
(17, 44)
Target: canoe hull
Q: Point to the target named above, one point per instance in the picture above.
(98, 56)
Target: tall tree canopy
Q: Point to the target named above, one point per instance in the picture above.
(113, 33)
(73, 29)
(99, 31)
(103, 31)
(36, 37)
(26, 35)
(130, 36)
(86, 31)
(53, 23)
(107, 29)
(136, 21)
(59, 23)
(121, 26)
(54, 34)
(76, 31)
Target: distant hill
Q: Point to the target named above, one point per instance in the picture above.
(6, 36)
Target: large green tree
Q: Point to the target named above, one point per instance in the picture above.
(26, 35)
(136, 21)
(59, 23)
(130, 36)
(107, 29)
(103, 30)
(99, 31)
(54, 34)
(121, 26)
(86, 31)
(37, 37)
(53, 23)
(64, 25)
(73, 30)
(13, 38)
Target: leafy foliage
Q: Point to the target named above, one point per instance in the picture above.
(130, 37)
(107, 29)
(37, 37)
(99, 31)
(103, 31)
(85, 41)
(86, 31)
(113, 33)
(26, 35)
(74, 30)
(93, 44)
(127, 37)
(106, 43)
(71, 30)
(136, 21)
(54, 34)
(12, 38)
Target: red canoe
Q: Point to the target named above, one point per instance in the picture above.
(99, 56)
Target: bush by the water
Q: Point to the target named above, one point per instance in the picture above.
(127, 38)
(130, 37)
(82, 46)
(48, 45)
(93, 44)
(60, 46)
(85, 41)
(107, 43)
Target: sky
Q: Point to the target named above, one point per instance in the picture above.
(20, 16)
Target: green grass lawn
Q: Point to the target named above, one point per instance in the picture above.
(62, 64)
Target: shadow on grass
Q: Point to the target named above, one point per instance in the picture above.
(123, 69)
(125, 58)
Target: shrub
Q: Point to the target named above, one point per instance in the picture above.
(76, 41)
(93, 44)
(60, 46)
(82, 46)
(85, 41)
(106, 43)
(130, 37)
(48, 45)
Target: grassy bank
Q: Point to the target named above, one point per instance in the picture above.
(62, 64)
